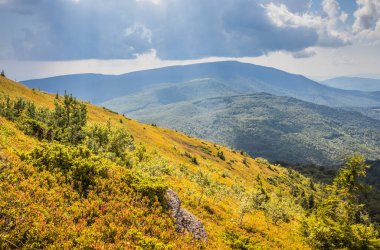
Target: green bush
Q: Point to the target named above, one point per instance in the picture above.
(143, 183)
(220, 154)
(77, 164)
(237, 241)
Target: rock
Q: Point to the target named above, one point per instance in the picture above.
(184, 219)
(173, 201)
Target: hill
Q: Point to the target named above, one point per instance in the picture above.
(241, 78)
(273, 127)
(74, 175)
(80, 193)
(354, 83)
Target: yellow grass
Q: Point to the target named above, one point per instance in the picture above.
(172, 145)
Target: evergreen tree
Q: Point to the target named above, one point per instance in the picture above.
(340, 221)
(69, 118)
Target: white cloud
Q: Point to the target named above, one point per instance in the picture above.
(367, 22)
(156, 2)
(331, 8)
(282, 17)
(304, 53)
(140, 30)
(367, 15)
(327, 27)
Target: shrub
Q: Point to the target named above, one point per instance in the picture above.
(79, 167)
(237, 241)
(220, 154)
(143, 183)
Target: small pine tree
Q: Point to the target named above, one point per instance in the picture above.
(2, 73)
(220, 154)
(340, 221)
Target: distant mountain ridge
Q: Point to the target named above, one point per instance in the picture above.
(241, 78)
(354, 83)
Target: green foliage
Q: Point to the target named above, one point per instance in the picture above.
(203, 180)
(140, 153)
(116, 142)
(64, 124)
(220, 154)
(245, 162)
(147, 185)
(42, 207)
(194, 160)
(77, 178)
(68, 119)
(237, 241)
(278, 209)
(147, 243)
(250, 201)
(2, 73)
(77, 164)
(340, 221)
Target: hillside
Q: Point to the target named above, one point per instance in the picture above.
(276, 128)
(101, 217)
(239, 78)
(354, 83)
(74, 175)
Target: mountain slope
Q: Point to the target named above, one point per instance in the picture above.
(276, 128)
(354, 83)
(170, 93)
(239, 77)
(42, 207)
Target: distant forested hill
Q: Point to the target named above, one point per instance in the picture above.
(277, 128)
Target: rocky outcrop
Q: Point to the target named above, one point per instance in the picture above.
(184, 219)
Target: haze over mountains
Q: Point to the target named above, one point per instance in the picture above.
(234, 77)
(224, 102)
(354, 83)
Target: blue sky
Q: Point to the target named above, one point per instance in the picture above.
(310, 37)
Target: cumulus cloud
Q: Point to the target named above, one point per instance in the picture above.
(367, 15)
(367, 21)
(186, 29)
(329, 35)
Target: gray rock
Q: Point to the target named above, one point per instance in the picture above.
(184, 219)
(173, 201)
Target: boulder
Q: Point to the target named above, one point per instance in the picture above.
(185, 221)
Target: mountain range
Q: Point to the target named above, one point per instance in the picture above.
(297, 121)
(228, 76)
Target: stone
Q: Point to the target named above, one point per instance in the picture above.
(185, 221)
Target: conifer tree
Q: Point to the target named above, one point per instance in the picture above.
(340, 221)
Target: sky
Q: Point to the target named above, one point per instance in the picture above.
(316, 38)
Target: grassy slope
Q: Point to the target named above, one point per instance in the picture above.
(171, 145)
